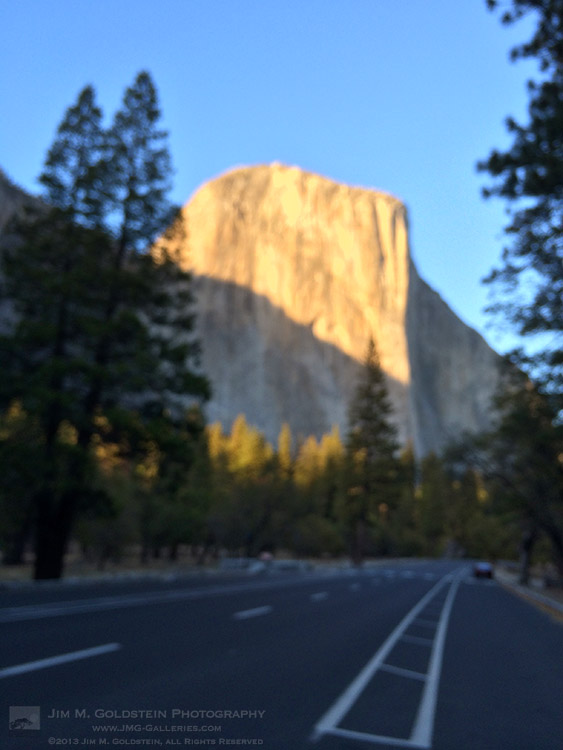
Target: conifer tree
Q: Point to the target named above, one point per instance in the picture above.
(101, 341)
(525, 462)
(372, 449)
(529, 176)
(284, 456)
(433, 495)
(405, 522)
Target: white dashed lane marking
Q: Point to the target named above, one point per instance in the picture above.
(246, 614)
(53, 661)
(319, 596)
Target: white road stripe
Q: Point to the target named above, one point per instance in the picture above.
(424, 724)
(421, 736)
(411, 674)
(53, 661)
(330, 720)
(319, 596)
(373, 738)
(245, 614)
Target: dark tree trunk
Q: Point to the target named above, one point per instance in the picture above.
(526, 547)
(556, 537)
(145, 550)
(54, 523)
(50, 550)
(358, 542)
(249, 547)
(103, 556)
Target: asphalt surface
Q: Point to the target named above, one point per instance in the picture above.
(408, 655)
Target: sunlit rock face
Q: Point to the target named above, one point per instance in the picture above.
(293, 274)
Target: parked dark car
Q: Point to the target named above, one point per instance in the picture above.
(483, 570)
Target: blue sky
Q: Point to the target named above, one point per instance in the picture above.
(399, 95)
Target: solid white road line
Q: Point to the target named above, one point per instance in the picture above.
(53, 661)
(330, 720)
(245, 614)
(424, 723)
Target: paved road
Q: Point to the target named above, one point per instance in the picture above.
(409, 655)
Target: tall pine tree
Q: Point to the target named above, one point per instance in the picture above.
(372, 449)
(101, 341)
(529, 176)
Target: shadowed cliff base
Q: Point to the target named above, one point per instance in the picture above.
(273, 370)
(455, 373)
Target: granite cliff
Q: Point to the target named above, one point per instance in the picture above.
(293, 274)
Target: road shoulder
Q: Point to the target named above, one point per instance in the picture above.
(549, 600)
